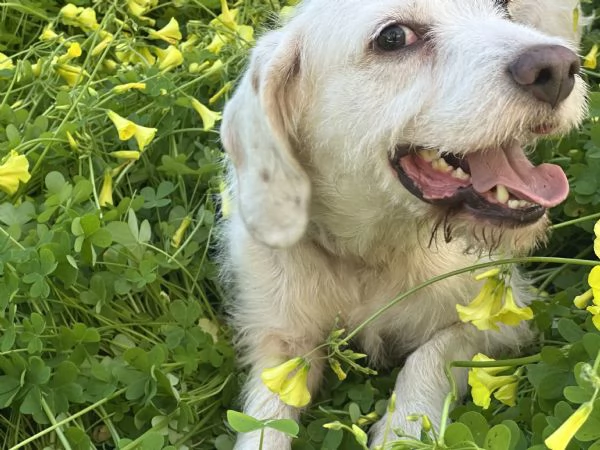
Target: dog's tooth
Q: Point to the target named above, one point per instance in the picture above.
(460, 174)
(429, 155)
(502, 194)
(441, 165)
(524, 204)
(514, 204)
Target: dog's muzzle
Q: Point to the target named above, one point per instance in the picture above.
(500, 185)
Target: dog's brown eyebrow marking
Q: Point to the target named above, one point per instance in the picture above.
(503, 3)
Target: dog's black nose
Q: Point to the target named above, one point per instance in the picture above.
(547, 72)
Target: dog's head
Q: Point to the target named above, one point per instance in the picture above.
(406, 109)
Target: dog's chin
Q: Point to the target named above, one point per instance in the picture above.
(494, 200)
(484, 238)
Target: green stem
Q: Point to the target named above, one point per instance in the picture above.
(63, 439)
(67, 419)
(575, 221)
(500, 363)
(262, 438)
(26, 10)
(398, 299)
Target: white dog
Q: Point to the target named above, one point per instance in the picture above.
(360, 130)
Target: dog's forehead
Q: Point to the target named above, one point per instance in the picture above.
(422, 11)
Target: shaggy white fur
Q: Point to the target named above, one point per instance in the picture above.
(321, 226)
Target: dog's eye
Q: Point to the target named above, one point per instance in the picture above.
(395, 37)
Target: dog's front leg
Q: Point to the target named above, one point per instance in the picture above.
(422, 385)
(261, 403)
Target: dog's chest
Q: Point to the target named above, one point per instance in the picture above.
(415, 318)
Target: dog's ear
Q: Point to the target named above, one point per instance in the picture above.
(562, 18)
(257, 133)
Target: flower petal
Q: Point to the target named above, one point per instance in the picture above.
(13, 171)
(563, 435)
(294, 391)
(275, 377)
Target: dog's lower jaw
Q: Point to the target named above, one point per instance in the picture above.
(489, 239)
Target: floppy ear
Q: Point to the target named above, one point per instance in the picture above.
(273, 189)
(562, 18)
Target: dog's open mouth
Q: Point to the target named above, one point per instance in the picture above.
(500, 185)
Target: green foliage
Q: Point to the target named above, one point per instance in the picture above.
(110, 329)
(109, 326)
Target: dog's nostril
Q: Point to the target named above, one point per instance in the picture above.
(547, 72)
(543, 77)
(574, 69)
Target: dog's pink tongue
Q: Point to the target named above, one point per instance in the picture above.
(546, 184)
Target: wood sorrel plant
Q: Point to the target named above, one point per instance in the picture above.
(109, 181)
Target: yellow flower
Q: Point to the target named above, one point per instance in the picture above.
(72, 142)
(294, 391)
(105, 197)
(209, 118)
(73, 51)
(36, 68)
(484, 383)
(511, 314)
(48, 34)
(494, 304)
(481, 311)
(507, 394)
(215, 68)
(492, 273)
(590, 60)
(110, 65)
(107, 38)
(144, 135)
(144, 56)
(170, 58)
(563, 435)
(226, 87)
(337, 369)
(135, 56)
(128, 86)
(131, 155)
(71, 74)
(128, 129)
(217, 43)
(87, 19)
(189, 44)
(581, 301)
(197, 68)
(69, 11)
(139, 7)
(275, 377)
(227, 17)
(5, 62)
(594, 282)
(84, 18)
(595, 310)
(169, 33)
(125, 128)
(246, 32)
(136, 8)
(178, 236)
(14, 170)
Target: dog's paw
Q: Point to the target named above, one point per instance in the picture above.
(273, 440)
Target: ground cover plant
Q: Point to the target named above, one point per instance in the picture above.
(111, 323)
